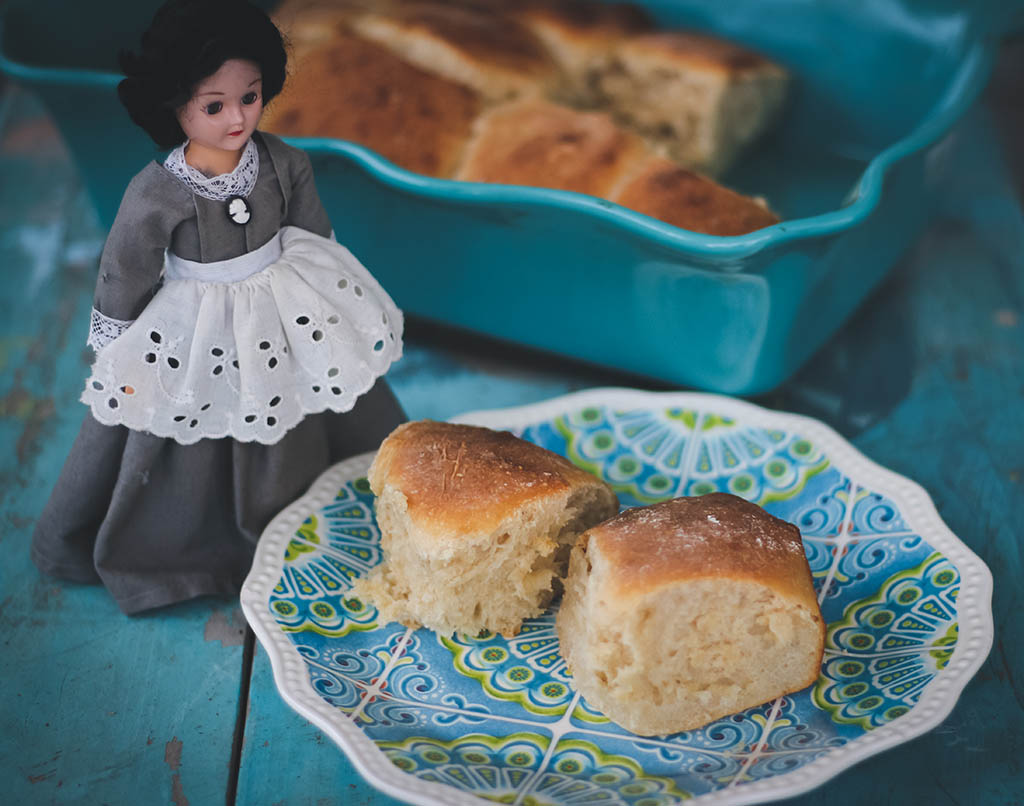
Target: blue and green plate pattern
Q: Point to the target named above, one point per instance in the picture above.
(475, 719)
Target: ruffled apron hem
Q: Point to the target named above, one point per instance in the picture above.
(246, 348)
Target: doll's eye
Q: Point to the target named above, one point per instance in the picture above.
(250, 98)
(214, 108)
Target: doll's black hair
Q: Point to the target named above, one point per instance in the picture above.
(187, 41)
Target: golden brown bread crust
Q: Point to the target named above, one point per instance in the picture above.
(680, 613)
(464, 479)
(541, 144)
(417, 120)
(485, 37)
(663, 190)
(504, 56)
(582, 22)
(715, 535)
(692, 50)
(476, 526)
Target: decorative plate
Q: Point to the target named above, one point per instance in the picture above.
(467, 720)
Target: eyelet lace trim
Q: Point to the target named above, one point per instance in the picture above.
(248, 359)
(104, 329)
(239, 182)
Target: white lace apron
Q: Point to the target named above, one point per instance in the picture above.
(245, 348)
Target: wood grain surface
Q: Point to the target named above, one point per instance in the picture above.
(179, 707)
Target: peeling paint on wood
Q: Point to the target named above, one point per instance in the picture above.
(172, 757)
(172, 754)
(226, 627)
(177, 796)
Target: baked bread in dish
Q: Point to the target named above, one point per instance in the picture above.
(476, 527)
(686, 611)
(582, 96)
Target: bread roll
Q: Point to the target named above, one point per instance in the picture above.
(465, 43)
(353, 89)
(580, 35)
(541, 144)
(704, 98)
(475, 526)
(663, 190)
(684, 612)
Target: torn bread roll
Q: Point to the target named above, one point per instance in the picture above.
(476, 527)
(683, 612)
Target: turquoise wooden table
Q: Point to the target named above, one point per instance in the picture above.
(179, 706)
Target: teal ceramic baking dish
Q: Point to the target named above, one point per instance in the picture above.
(851, 168)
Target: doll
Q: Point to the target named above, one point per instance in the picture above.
(239, 349)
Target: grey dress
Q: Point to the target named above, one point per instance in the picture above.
(156, 521)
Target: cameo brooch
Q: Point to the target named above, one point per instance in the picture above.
(238, 210)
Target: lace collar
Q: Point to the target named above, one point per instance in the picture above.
(239, 182)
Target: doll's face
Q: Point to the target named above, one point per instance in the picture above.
(226, 107)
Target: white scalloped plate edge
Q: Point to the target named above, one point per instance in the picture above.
(974, 608)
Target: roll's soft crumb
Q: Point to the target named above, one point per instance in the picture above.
(684, 612)
(703, 97)
(476, 527)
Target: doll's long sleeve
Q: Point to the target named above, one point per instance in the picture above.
(304, 207)
(133, 255)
